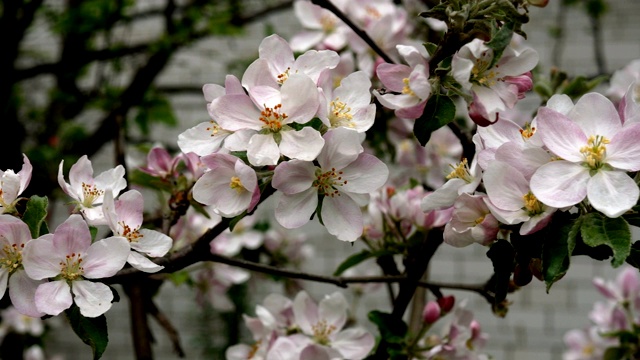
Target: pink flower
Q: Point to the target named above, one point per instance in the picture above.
(323, 29)
(596, 151)
(344, 179)
(68, 256)
(14, 235)
(87, 191)
(349, 105)
(124, 217)
(12, 185)
(230, 186)
(472, 221)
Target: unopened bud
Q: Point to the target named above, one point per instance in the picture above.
(446, 303)
(538, 3)
(431, 312)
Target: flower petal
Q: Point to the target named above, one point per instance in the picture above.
(105, 257)
(152, 243)
(304, 144)
(22, 291)
(292, 177)
(93, 298)
(612, 192)
(53, 297)
(342, 217)
(39, 258)
(561, 135)
(295, 210)
(560, 183)
(142, 263)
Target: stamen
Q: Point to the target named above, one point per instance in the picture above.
(461, 171)
(272, 118)
(236, 184)
(328, 182)
(340, 114)
(595, 151)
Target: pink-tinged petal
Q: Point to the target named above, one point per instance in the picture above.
(365, 175)
(239, 140)
(342, 217)
(105, 257)
(265, 97)
(537, 222)
(159, 159)
(305, 40)
(53, 297)
(342, 147)
(512, 64)
(22, 291)
(94, 216)
(612, 192)
(623, 152)
(526, 160)
(333, 310)
(223, 161)
(561, 135)
(300, 99)
(246, 174)
(560, 103)
(628, 280)
(81, 172)
(235, 112)
(10, 186)
(152, 243)
(41, 259)
(316, 352)
(419, 82)
(212, 91)
(605, 289)
(201, 139)
(112, 179)
(295, 210)
(560, 183)
(509, 217)
(489, 99)
(259, 74)
(232, 85)
(93, 298)
(292, 177)
(354, 90)
(505, 186)
(142, 263)
(354, 343)
(596, 115)
(461, 67)
(457, 238)
(312, 63)
(14, 230)
(277, 52)
(443, 197)
(129, 208)
(204, 190)
(397, 101)
(500, 133)
(25, 173)
(283, 349)
(304, 144)
(392, 76)
(263, 150)
(305, 311)
(64, 185)
(72, 236)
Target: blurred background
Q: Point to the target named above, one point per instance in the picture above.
(75, 74)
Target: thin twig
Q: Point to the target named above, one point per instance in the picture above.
(165, 323)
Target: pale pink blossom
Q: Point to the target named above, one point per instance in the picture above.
(586, 344)
(14, 235)
(124, 217)
(213, 283)
(471, 222)
(344, 179)
(323, 30)
(622, 79)
(349, 105)
(230, 186)
(87, 191)
(67, 257)
(596, 152)
(12, 185)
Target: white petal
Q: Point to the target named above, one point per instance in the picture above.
(292, 177)
(53, 297)
(93, 298)
(295, 210)
(142, 263)
(263, 150)
(22, 291)
(304, 144)
(342, 217)
(39, 260)
(560, 183)
(612, 192)
(152, 243)
(106, 257)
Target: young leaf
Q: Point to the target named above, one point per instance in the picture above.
(392, 329)
(500, 41)
(35, 214)
(353, 260)
(556, 250)
(598, 230)
(92, 331)
(438, 112)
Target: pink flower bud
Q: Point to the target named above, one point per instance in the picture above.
(431, 312)
(446, 303)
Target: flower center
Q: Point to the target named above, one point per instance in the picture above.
(214, 128)
(532, 205)
(236, 184)
(133, 235)
(406, 89)
(328, 23)
(479, 73)
(595, 151)
(272, 118)
(327, 182)
(90, 194)
(340, 114)
(527, 131)
(71, 268)
(12, 259)
(322, 331)
(284, 76)
(461, 171)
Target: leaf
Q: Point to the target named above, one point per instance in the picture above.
(94, 231)
(392, 330)
(92, 331)
(35, 214)
(598, 230)
(430, 47)
(438, 112)
(352, 261)
(500, 41)
(556, 250)
(634, 256)
(616, 353)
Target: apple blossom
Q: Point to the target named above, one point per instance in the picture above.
(14, 235)
(230, 186)
(596, 152)
(124, 217)
(497, 88)
(323, 29)
(349, 105)
(622, 79)
(12, 185)
(87, 191)
(67, 257)
(343, 180)
(471, 222)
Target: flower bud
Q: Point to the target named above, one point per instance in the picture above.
(431, 312)
(446, 303)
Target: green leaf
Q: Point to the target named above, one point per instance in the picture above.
(353, 260)
(92, 331)
(94, 231)
(35, 215)
(557, 249)
(430, 47)
(634, 256)
(598, 229)
(616, 353)
(438, 112)
(236, 220)
(500, 41)
(392, 330)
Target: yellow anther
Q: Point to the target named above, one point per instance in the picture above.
(461, 171)
(531, 204)
(283, 76)
(407, 89)
(236, 184)
(340, 114)
(322, 331)
(595, 151)
(214, 128)
(527, 131)
(272, 118)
